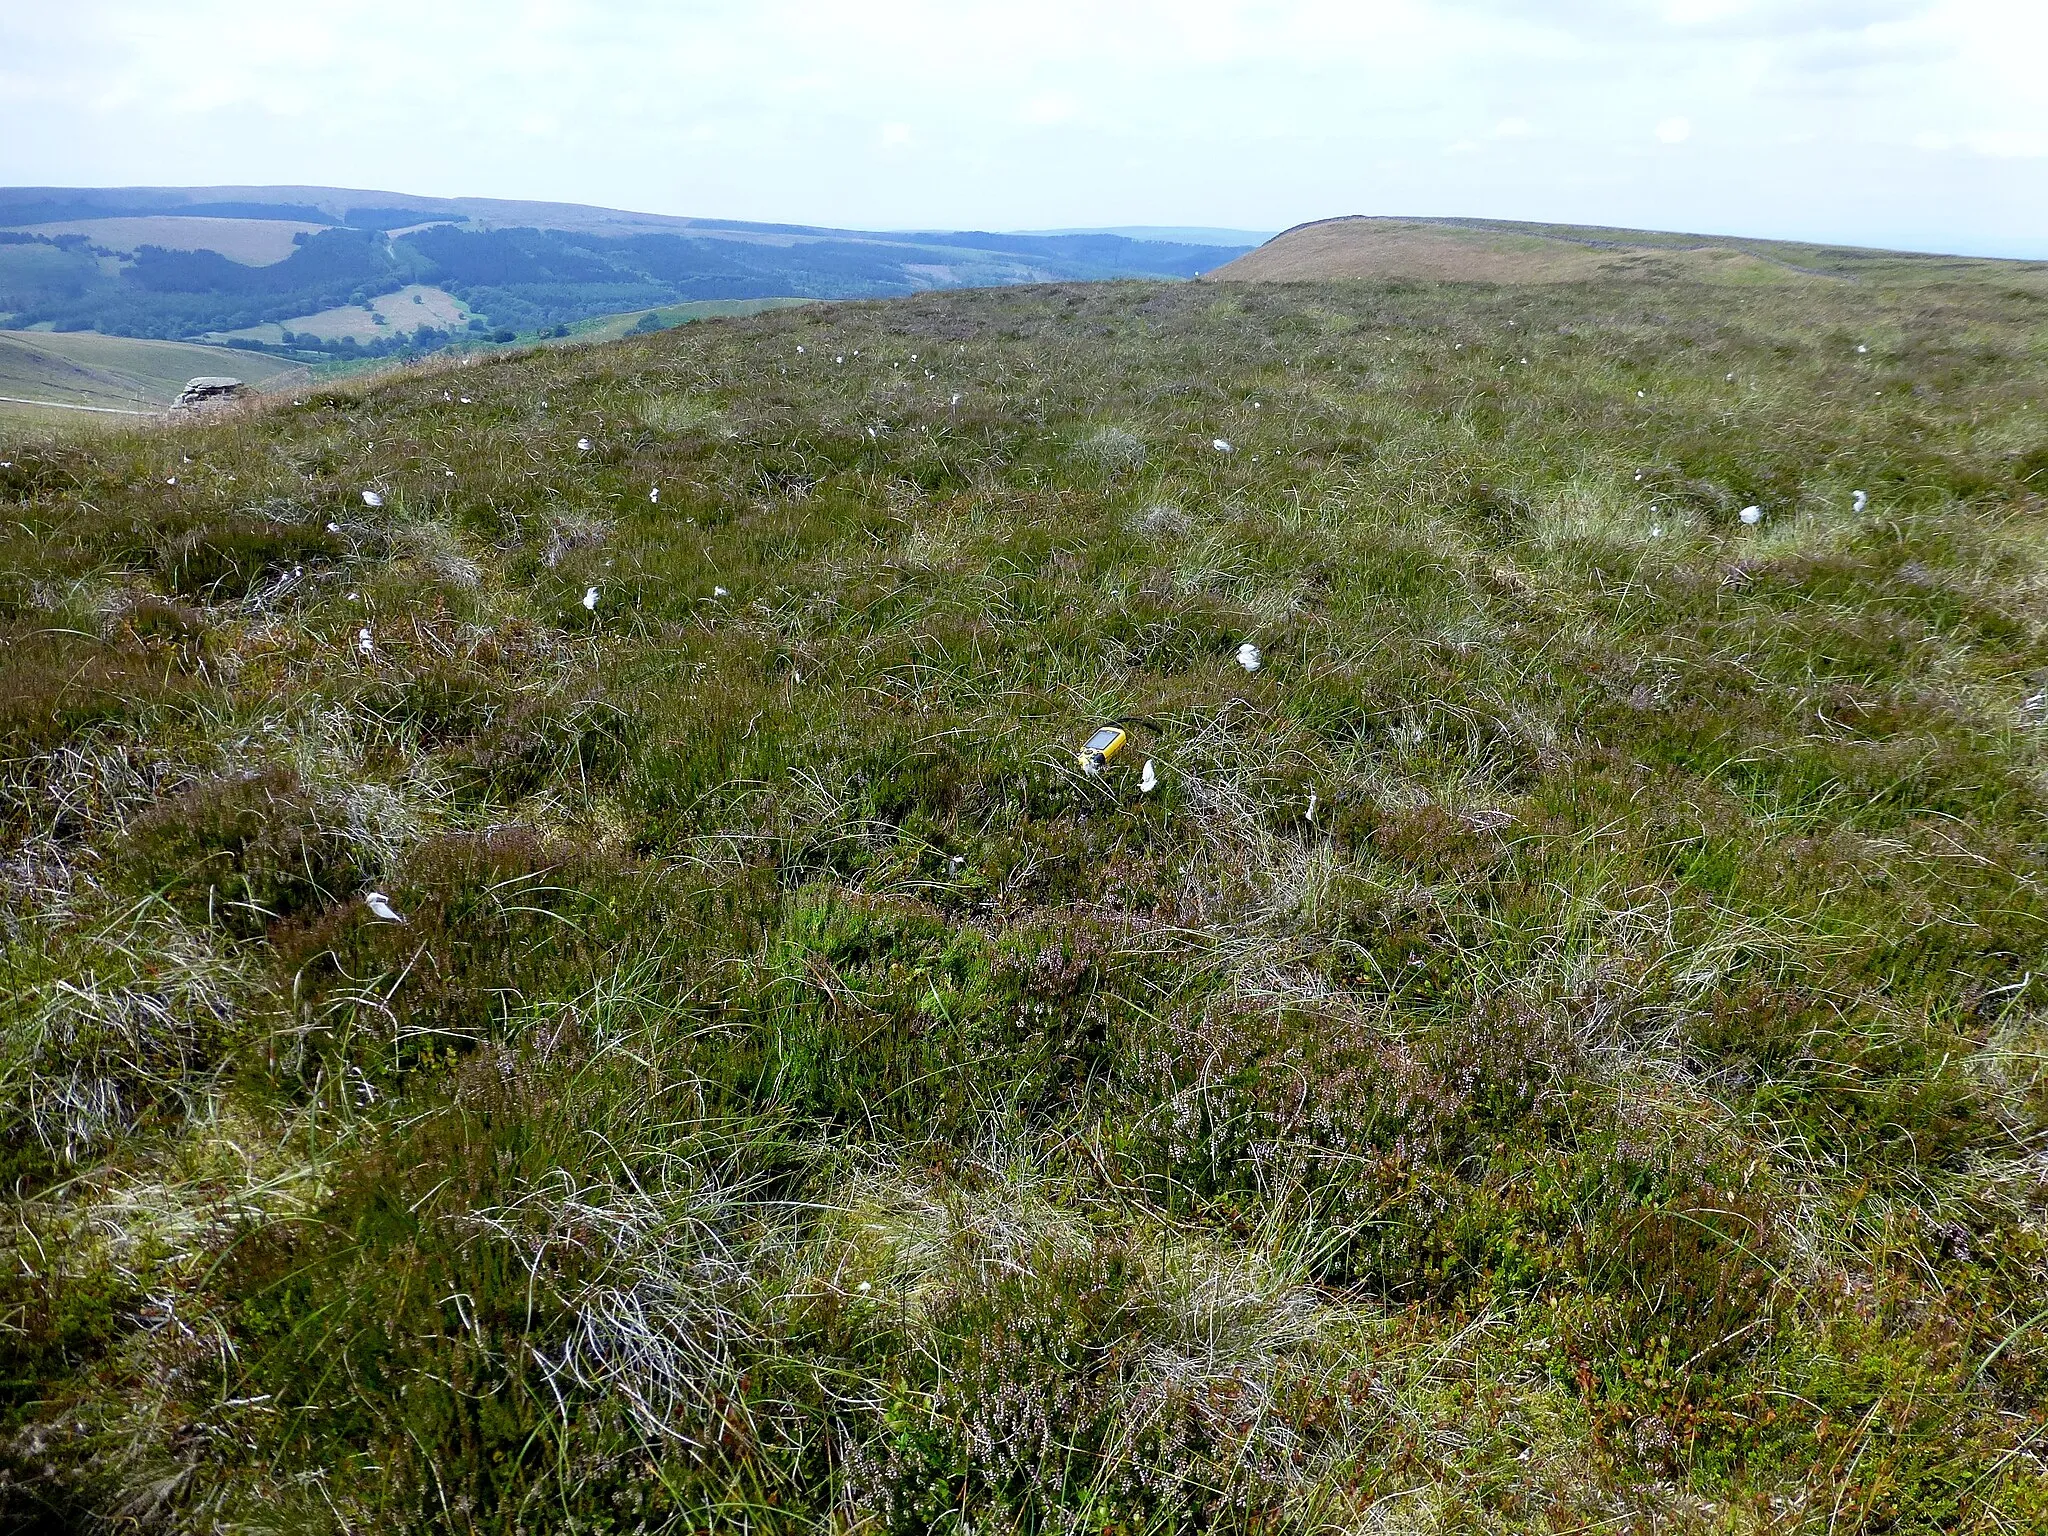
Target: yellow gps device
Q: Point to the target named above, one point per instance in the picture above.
(1102, 748)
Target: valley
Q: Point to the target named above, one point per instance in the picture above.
(320, 274)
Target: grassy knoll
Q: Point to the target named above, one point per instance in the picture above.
(1562, 1048)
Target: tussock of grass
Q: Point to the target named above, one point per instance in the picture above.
(1561, 1047)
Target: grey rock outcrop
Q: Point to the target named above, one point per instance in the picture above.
(208, 391)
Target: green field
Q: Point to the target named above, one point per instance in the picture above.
(1561, 1045)
(109, 374)
(405, 311)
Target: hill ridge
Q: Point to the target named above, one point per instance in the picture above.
(1507, 250)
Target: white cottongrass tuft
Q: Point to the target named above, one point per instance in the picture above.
(365, 646)
(1250, 657)
(1222, 446)
(590, 599)
(720, 592)
(1149, 779)
(1861, 501)
(654, 494)
(372, 499)
(1114, 449)
(381, 908)
(1751, 516)
(583, 445)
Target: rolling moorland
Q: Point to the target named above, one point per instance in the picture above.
(312, 271)
(1563, 1046)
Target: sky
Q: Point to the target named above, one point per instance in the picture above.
(1918, 124)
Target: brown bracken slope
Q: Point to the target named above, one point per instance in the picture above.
(1495, 251)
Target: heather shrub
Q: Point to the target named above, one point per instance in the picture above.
(1548, 1038)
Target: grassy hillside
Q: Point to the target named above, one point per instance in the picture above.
(1562, 1047)
(111, 372)
(1499, 251)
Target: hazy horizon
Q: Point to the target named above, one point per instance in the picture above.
(1909, 124)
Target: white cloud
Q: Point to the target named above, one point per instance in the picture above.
(1674, 130)
(1254, 113)
(1997, 146)
(1050, 110)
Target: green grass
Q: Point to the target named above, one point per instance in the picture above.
(1563, 1048)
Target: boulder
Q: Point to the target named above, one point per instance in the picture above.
(208, 390)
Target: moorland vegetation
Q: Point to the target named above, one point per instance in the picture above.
(1562, 1047)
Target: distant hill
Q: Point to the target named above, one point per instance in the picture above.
(1186, 234)
(307, 270)
(1500, 251)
